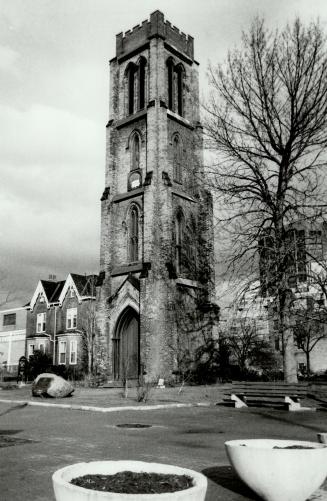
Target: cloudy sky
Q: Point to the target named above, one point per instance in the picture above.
(54, 106)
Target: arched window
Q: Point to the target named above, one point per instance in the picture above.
(175, 86)
(133, 234)
(177, 159)
(135, 160)
(170, 75)
(190, 247)
(179, 89)
(142, 82)
(136, 86)
(179, 231)
(131, 74)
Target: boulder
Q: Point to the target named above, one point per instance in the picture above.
(51, 385)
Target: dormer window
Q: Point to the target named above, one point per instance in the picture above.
(72, 292)
(41, 298)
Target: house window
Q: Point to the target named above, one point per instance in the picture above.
(31, 348)
(71, 318)
(177, 159)
(40, 322)
(72, 292)
(9, 319)
(62, 352)
(42, 347)
(73, 352)
(133, 234)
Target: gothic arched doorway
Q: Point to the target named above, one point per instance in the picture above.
(126, 346)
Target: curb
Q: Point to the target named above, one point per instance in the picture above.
(106, 409)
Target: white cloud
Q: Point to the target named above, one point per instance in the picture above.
(51, 181)
(8, 59)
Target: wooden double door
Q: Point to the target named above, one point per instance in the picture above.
(126, 346)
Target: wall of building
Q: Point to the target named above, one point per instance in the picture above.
(12, 338)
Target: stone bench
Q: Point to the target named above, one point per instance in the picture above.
(257, 394)
(318, 391)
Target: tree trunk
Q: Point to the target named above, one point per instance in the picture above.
(89, 360)
(289, 362)
(308, 362)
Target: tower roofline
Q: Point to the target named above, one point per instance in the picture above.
(156, 27)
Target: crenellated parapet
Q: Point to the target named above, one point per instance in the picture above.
(157, 26)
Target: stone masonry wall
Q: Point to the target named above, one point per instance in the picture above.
(159, 198)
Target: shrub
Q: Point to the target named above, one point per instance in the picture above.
(70, 373)
(38, 362)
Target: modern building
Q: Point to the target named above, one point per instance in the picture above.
(61, 320)
(12, 337)
(156, 259)
(305, 267)
(305, 249)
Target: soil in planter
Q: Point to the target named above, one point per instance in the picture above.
(294, 447)
(289, 447)
(129, 482)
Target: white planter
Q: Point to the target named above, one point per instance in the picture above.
(65, 491)
(279, 474)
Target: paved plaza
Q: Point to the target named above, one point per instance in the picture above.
(37, 440)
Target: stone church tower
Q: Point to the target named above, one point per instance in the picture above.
(156, 263)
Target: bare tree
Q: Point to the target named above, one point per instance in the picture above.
(89, 334)
(248, 347)
(266, 123)
(89, 325)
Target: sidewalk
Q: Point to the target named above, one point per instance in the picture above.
(112, 399)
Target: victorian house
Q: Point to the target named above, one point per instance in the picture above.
(61, 320)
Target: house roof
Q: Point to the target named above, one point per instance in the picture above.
(85, 284)
(55, 292)
(52, 289)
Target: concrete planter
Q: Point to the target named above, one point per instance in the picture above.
(65, 491)
(279, 474)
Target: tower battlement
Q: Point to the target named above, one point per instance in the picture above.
(157, 26)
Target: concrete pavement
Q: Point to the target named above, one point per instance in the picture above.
(35, 441)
